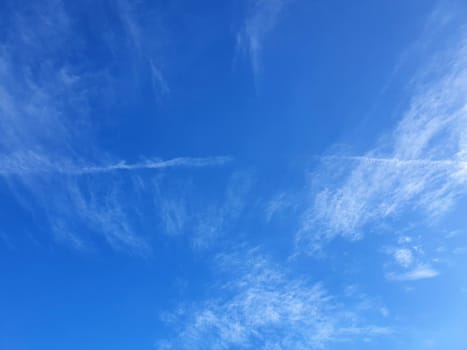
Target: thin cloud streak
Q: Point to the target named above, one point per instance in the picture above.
(441, 163)
(35, 164)
(171, 163)
(261, 18)
(418, 273)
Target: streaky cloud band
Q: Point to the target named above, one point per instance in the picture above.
(33, 163)
(441, 163)
(420, 272)
(157, 164)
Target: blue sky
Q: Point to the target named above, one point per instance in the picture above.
(251, 174)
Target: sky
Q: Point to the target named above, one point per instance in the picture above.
(236, 174)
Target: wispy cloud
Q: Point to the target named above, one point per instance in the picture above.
(262, 307)
(147, 53)
(220, 219)
(277, 204)
(261, 18)
(189, 209)
(432, 163)
(49, 156)
(420, 166)
(403, 257)
(415, 258)
(31, 163)
(418, 273)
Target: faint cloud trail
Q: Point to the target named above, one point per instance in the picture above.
(35, 164)
(401, 162)
(261, 18)
(156, 164)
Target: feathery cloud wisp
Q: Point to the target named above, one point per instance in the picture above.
(423, 167)
(264, 308)
(48, 128)
(261, 18)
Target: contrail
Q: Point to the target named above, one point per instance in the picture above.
(401, 162)
(29, 164)
(156, 164)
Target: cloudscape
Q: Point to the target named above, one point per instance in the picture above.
(251, 174)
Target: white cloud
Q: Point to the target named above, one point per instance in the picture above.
(403, 257)
(174, 214)
(420, 166)
(261, 18)
(418, 273)
(421, 256)
(30, 163)
(146, 52)
(261, 307)
(158, 79)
